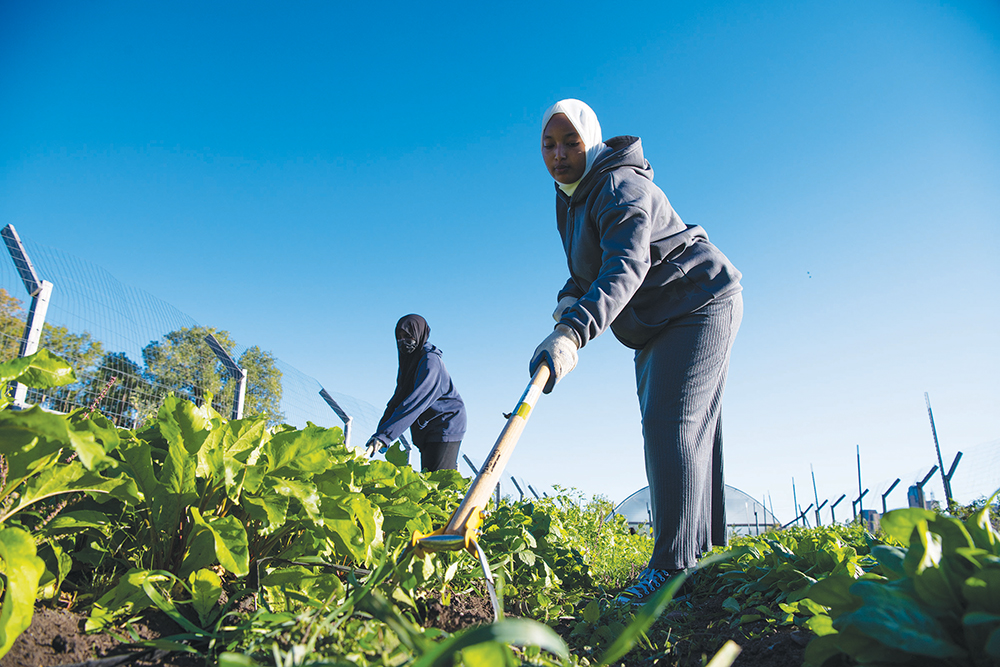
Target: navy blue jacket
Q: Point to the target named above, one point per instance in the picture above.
(433, 411)
(633, 264)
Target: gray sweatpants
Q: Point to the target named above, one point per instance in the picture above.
(680, 376)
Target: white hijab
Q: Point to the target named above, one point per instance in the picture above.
(584, 120)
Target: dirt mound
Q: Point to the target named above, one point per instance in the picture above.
(56, 637)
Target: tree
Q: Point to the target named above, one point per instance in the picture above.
(182, 362)
(128, 397)
(263, 392)
(82, 352)
(11, 326)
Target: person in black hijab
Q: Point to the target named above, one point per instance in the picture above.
(425, 401)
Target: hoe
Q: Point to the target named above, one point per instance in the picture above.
(463, 527)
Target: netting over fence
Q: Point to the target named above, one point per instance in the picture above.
(129, 349)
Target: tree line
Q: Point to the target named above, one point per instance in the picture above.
(180, 362)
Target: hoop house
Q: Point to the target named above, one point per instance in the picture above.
(744, 514)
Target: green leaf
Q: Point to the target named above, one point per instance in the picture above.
(231, 545)
(270, 512)
(41, 370)
(592, 612)
(304, 492)
(516, 631)
(300, 451)
(488, 654)
(981, 530)
(983, 591)
(67, 478)
(35, 439)
(22, 569)
(57, 566)
(183, 424)
(229, 659)
(206, 589)
(822, 648)
(893, 616)
(835, 592)
(821, 625)
(241, 437)
(397, 456)
(899, 524)
(127, 597)
(953, 534)
(891, 559)
(923, 563)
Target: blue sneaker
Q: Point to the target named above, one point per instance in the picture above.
(644, 587)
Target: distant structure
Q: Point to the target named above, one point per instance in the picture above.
(744, 514)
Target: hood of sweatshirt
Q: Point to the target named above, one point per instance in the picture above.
(624, 151)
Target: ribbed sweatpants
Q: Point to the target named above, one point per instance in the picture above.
(680, 377)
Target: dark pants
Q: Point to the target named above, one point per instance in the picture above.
(439, 456)
(680, 377)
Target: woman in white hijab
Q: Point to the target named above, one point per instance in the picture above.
(665, 291)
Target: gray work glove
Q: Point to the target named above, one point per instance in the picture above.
(558, 350)
(565, 304)
(375, 444)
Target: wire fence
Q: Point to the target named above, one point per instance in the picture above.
(129, 349)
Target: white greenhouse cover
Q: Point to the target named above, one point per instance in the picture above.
(744, 514)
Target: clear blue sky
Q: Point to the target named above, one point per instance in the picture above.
(303, 174)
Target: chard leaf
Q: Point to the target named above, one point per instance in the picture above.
(983, 591)
(64, 479)
(347, 538)
(41, 370)
(899, 524)
(835, 592)
(127, 597)
(206, 589)
(23, 570)
(183, 424)
(302, 451)
(304, 492)
(982, 531)
(270, 512)
(231, 545)
(891, 615)
(891, 560)
(242, 437)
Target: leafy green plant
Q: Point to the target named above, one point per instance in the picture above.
(936, 600)
(528, 551)
(46, 455)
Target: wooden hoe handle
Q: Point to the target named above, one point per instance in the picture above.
(482, 487)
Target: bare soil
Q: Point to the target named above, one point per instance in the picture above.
(56, 637)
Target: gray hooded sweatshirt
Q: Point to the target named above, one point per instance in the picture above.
(633, 264)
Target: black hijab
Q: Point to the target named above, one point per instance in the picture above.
(414, 327)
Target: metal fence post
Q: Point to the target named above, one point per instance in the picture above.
(344, 417)
(40, 292)
(237, 373)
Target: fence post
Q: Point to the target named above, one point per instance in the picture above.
(517, 486)
(344, 417)
(884, 495)
(40, 292)
(833, 507)
(237, 373)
